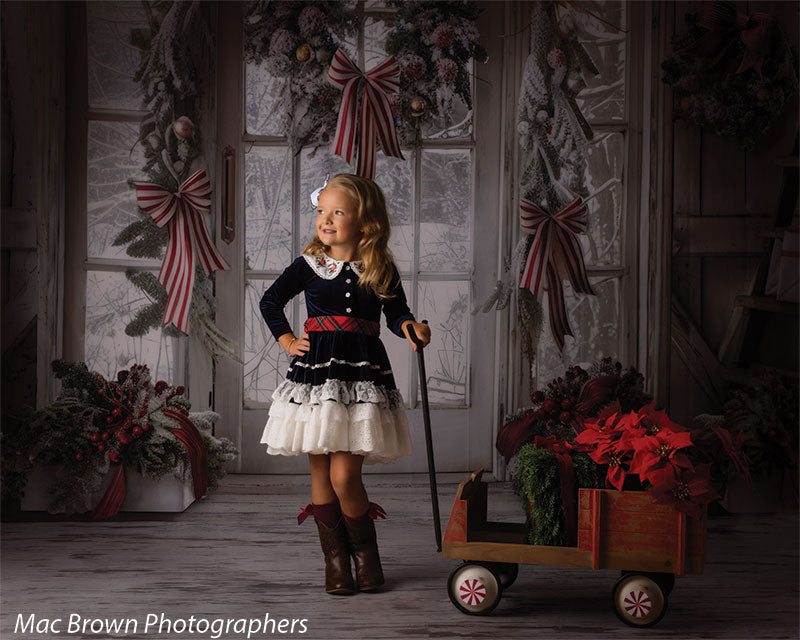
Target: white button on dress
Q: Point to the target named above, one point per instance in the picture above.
(348, 309)
(347, 281)
(347, 295)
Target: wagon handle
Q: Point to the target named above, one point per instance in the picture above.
(426, 414)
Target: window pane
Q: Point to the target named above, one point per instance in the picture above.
(111, 204)
(398, 349)
(375, 33)
(445, 233)
(602, 243)
(268, 208)
(266, 102)
(458, 121)
(111, 303)
(603, 99)
(265, 361)
(594, 321)
(394, 177)
(444, 305)
(113, 60)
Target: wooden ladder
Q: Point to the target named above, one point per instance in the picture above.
(745, 325)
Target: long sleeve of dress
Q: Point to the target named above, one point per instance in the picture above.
(396, 309)
(286, 287)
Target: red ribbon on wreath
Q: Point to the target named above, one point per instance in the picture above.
(376, 120)
(192, 439)
(722, 21)
(555, 253)
(188, 236)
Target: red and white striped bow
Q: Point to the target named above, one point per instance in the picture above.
(556, 253)
(376, 113)
(182, 211)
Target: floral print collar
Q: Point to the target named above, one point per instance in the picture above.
(326, 267)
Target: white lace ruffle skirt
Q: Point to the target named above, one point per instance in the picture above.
(379, 433)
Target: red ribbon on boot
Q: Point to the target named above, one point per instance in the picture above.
(566, 476)
(307, 511)
(375, 511)
(723, 22)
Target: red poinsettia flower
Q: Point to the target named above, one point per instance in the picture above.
(616, 454)
(660, 452)
(685, 490)
(603, 427)
(653, 420)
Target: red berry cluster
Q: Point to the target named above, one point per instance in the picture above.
(123, 422)
(558, 402)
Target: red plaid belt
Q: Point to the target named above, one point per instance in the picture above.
(342, 323)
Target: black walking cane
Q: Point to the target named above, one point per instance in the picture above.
(426, 414)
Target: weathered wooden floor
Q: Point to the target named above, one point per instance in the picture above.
(240, 554)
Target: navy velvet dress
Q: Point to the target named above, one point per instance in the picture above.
(340, 395)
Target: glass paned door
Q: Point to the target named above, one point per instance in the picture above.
(431, 206)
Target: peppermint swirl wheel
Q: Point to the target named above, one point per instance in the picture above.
(474, 589)
(639, 600)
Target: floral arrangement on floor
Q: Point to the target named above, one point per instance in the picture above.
(296, 42)
(599, 428)
(761, 421)
(97, 426)
(730, 73)
(433, 42)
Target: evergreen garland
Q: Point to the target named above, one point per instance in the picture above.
(537, 482)
(433, 42)
(171, 144)
(296, 42)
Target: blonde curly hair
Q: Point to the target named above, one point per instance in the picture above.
(373, 220)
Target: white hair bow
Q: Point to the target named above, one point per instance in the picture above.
(316, 192)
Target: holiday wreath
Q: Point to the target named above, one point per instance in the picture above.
(729, 72)
(432, 42)
(97, 426)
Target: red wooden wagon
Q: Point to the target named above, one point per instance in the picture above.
(624, 530)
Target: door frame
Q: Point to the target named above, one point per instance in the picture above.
(488, 166)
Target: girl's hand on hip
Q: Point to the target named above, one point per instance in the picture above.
(423, 332)
(299, 346)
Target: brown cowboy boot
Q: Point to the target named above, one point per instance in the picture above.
(335, 548)
(364, 547)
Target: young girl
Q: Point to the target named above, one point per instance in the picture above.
(339, 402)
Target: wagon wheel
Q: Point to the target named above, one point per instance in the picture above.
(474, 588)
(639, 600)
(664, 580)
(506, 571)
